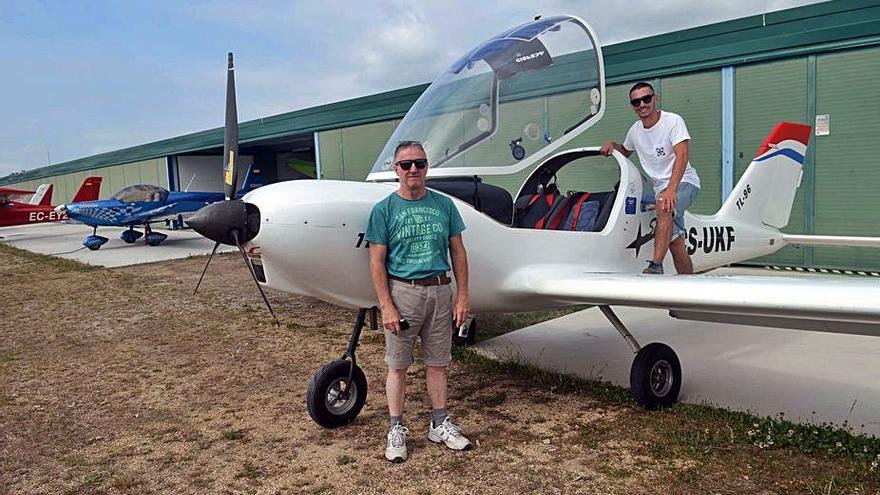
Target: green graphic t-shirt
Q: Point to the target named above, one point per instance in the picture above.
(416, 233)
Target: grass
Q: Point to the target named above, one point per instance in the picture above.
(557, 382)
(232, 434)
(691, 430)
(62, 263)
(493, 325)
(249, 471)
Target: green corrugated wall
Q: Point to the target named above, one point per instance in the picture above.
(349, 153)
(697, 98)
(847, 163)
(114, 178)
(766, 94)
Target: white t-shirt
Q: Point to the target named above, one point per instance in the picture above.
(655, 149)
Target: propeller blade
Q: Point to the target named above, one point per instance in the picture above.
(216, 245)
(254, 275)
(230, 135)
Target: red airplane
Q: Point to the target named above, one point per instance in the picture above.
(15, 212)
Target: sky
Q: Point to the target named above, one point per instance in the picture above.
(83, 78)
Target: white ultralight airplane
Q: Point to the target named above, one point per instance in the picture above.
(508, 107)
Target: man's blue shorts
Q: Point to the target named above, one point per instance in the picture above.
(684, 198)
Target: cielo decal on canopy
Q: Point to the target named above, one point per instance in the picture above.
(529, 57)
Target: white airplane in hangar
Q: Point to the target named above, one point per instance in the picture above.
(509, 105)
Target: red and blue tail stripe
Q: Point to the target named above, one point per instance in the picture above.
(785, 131)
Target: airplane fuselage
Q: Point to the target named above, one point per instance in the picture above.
(15, 213)
(112, 212)
(311, 242)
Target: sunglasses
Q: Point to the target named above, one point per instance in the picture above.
(407, 164)
(645, 99)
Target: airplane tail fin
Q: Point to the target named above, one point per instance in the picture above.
(89, 191)
(252, 180)
(765, 193)
(43, 196)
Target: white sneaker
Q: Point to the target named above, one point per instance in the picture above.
(396, 449)
(448, 433)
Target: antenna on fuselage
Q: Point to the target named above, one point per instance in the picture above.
(186, 189)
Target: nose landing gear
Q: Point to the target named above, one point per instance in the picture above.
(338, 391)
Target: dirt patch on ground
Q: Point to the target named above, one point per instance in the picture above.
(122, 381)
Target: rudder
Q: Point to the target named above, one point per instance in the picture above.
(43, 196)
(89, 190)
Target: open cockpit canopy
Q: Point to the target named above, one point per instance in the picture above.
(507, 103)
(141, 193)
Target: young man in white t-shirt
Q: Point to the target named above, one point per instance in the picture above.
(661, 140)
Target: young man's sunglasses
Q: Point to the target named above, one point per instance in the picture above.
(645, 99)
(407, 164)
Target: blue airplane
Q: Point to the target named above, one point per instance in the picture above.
(143, 204)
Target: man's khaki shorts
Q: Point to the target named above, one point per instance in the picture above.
(429, 313)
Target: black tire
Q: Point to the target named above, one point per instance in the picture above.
(326, 384)
(655, 377)
(467, 339)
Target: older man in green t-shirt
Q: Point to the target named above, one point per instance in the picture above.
(412, 234)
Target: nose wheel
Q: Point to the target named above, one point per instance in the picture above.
(655, 375)
(338, 391)
(333, 398)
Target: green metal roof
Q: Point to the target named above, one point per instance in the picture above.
(809, 29)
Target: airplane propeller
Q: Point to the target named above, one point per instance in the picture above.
(233, 221)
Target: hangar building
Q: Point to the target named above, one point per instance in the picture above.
(731, 81)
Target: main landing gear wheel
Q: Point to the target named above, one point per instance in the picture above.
(655, 376)
(465, 334)
(332, 399)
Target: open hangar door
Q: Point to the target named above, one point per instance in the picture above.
(284, 158)
(279, 159)
(202, 172)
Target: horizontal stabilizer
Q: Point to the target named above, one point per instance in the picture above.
(831, 240)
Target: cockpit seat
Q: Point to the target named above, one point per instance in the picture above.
(492, 200)
(576, 211)
(534, 211)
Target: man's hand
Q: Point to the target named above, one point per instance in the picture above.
(391, 319)
(607, 148)
(460, 310)
(666, 200)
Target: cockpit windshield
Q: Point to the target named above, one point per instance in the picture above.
(506, 103)
(141, 193)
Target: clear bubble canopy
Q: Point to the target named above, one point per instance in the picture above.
(507, 103)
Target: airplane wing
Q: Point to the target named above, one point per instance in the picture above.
(7, 193)
(819, 303)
